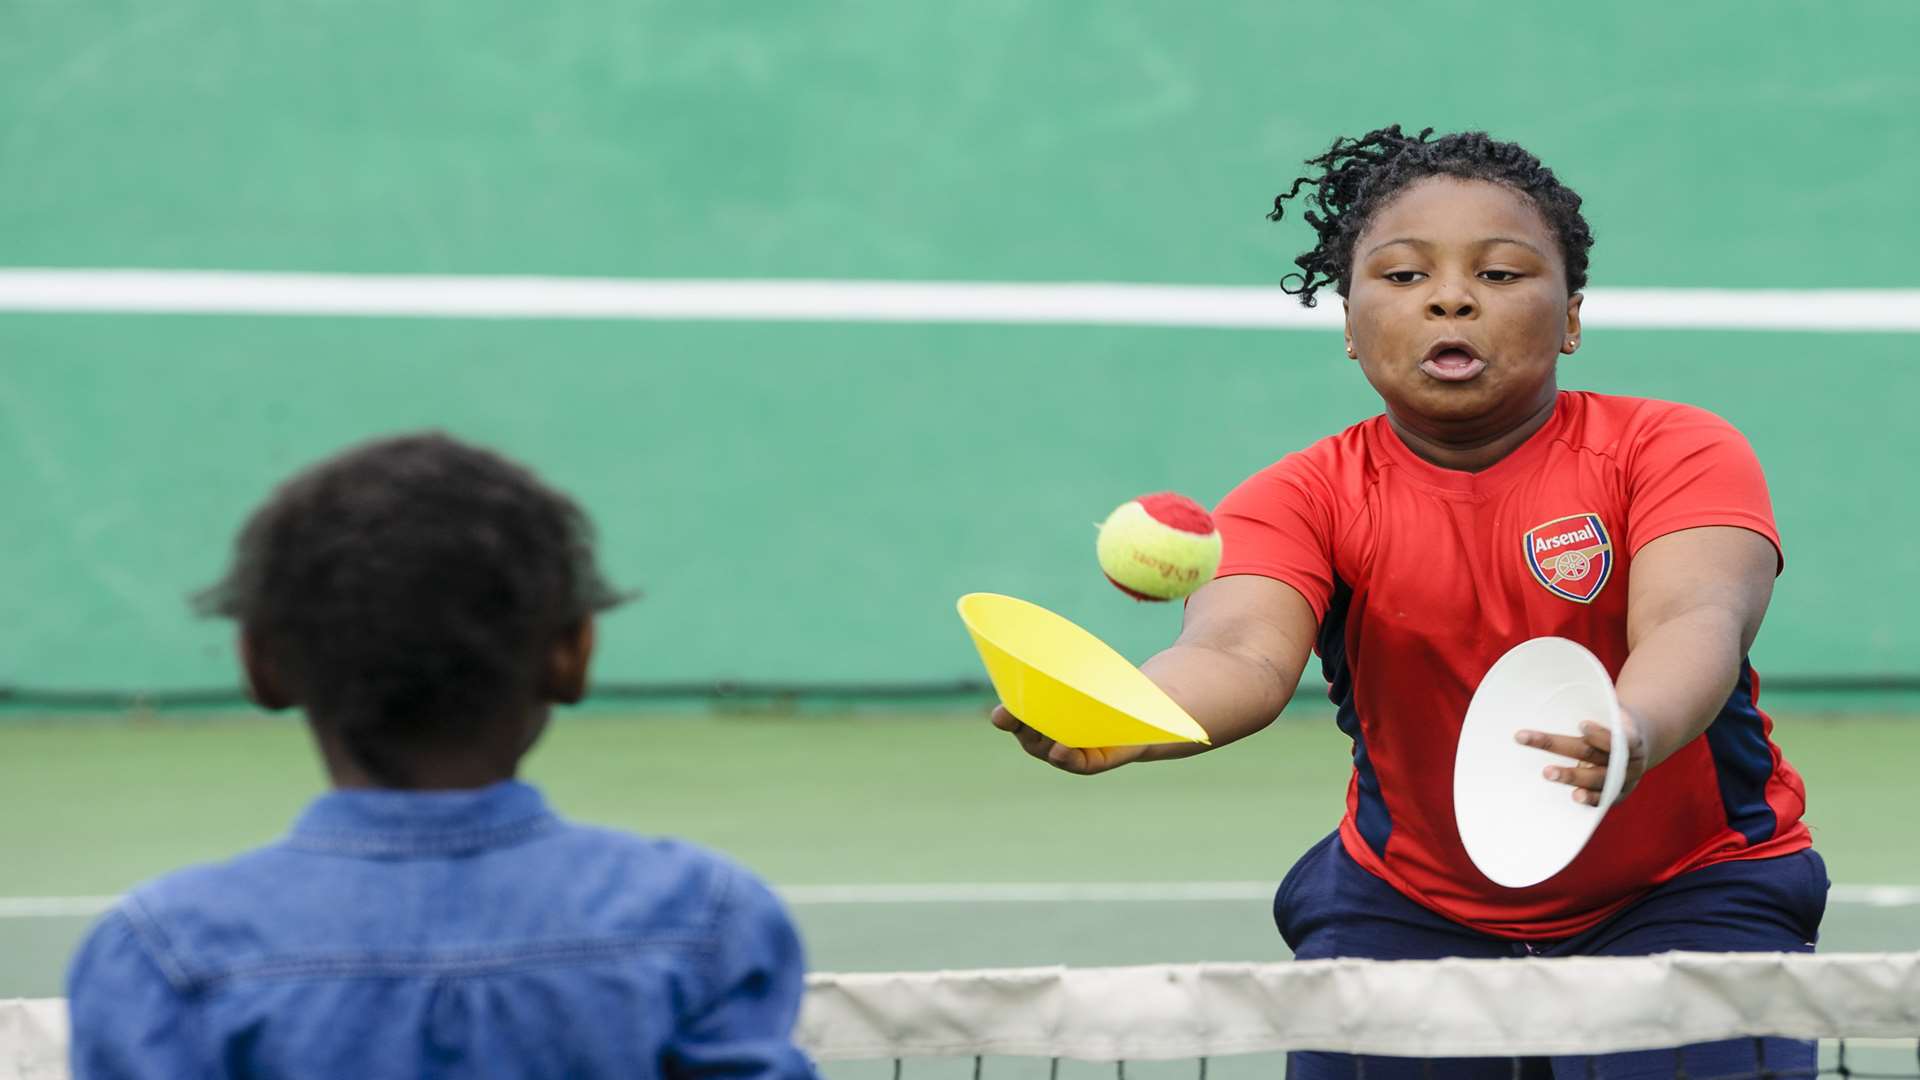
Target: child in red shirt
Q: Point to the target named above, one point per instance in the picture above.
(1483, 508)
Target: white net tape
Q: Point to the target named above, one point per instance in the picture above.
(33, 1040)
(1440, 1008)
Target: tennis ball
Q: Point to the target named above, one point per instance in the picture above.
(1159, 547)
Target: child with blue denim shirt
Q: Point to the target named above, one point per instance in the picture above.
(424, 603)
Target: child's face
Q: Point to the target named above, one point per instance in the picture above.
(1464, 262)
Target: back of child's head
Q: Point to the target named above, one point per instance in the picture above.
(410, 589)
(1357, 177)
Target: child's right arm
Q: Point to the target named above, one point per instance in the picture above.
(1233, 669)
(744, 1031)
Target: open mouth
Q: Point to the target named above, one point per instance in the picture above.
(1452, 360)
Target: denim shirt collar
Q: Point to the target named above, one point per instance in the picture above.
(383, 822)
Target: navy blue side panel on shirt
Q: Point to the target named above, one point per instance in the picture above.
(1371, 815)
(1744, 761)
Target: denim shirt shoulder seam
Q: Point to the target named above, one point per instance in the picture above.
(720, 907)
(157, 945)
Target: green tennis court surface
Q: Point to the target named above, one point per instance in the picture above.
(904, 841)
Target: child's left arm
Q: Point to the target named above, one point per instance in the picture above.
(129, 1019)
(1694, 607)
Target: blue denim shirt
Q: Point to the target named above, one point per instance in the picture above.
(428, 934)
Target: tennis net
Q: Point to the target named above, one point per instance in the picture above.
(1443, 1019)
(1440, 1019)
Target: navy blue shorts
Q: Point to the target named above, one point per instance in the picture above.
(1330, 906)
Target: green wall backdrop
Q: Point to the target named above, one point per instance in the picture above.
(804, 502)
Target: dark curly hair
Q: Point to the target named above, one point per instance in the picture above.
(409, 588)
(1359, 176)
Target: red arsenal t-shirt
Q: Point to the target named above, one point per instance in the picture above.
(1421, 577)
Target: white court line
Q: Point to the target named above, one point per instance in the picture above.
(1014, 892)
(1875, 895)
(44, 907)
(1020, 892)
(221, 292)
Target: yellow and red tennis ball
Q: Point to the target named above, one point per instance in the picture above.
(1159, 547)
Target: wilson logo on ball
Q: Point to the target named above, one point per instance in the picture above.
(1159, 547)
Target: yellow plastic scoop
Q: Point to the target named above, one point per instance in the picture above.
(1067, 684)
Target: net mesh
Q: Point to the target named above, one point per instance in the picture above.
(1855, 1017)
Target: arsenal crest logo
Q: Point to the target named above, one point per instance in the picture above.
(1571, 557)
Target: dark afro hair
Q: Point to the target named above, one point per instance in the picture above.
(410, 588)
(1359, 176)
